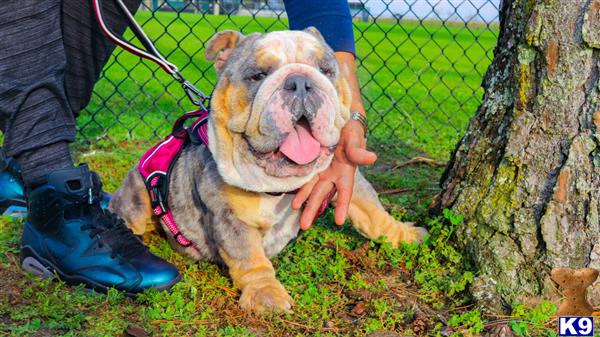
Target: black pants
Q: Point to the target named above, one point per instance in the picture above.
(51, 54)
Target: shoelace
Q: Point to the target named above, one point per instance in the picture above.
(114, 233)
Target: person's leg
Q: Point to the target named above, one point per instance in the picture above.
(48, 77)
(86, 47)
(51, 54)
(33, 109)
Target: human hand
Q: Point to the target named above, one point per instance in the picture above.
(350, 152)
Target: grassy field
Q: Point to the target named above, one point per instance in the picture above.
(419, 84)
(343, 285)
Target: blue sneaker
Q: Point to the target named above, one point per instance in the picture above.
(12, 196)
(12, 199)
(68, 233)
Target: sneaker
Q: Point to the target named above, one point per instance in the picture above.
(12, 197)
(67, 233)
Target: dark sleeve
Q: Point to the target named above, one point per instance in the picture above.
(331, 17)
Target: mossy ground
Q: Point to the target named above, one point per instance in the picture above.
(342, 284)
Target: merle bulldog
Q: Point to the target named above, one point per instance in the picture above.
(275, 119)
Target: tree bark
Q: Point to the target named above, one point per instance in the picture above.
(526, 175)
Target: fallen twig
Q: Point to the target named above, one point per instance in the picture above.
(180, 321)
(228, 290)
(419, 160)
(307, 327)
(397, 191)
(497, 322)
(462, 307)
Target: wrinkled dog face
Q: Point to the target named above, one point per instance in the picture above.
(277, 110)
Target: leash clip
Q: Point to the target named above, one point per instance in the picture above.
(194, 94)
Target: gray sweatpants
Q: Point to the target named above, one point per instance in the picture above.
(51, 54)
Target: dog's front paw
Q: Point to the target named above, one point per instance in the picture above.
(265, 295)
(407, 233)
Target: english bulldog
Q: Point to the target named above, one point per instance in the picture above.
(275, 120)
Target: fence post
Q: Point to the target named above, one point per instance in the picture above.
(216, 8)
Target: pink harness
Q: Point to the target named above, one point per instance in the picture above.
(156, 164)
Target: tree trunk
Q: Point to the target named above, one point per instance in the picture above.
(526, 175)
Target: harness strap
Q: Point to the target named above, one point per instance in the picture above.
(198, 132)
(157, 191)
(157, 185)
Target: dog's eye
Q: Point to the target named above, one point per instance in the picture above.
(258, 76)
(326, 71)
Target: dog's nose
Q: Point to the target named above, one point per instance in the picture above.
(298, 84)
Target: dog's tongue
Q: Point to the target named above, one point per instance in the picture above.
(300, 146)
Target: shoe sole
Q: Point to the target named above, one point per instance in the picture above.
(13, 208)
(43, 268)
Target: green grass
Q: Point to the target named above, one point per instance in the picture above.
(328, 270)
(342, 284)
(423, 79)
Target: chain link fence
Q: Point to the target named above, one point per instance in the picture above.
(420, 65)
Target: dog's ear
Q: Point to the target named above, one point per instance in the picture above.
(314, 32)
(220, 47)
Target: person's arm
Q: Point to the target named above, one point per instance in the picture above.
(332, 18)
